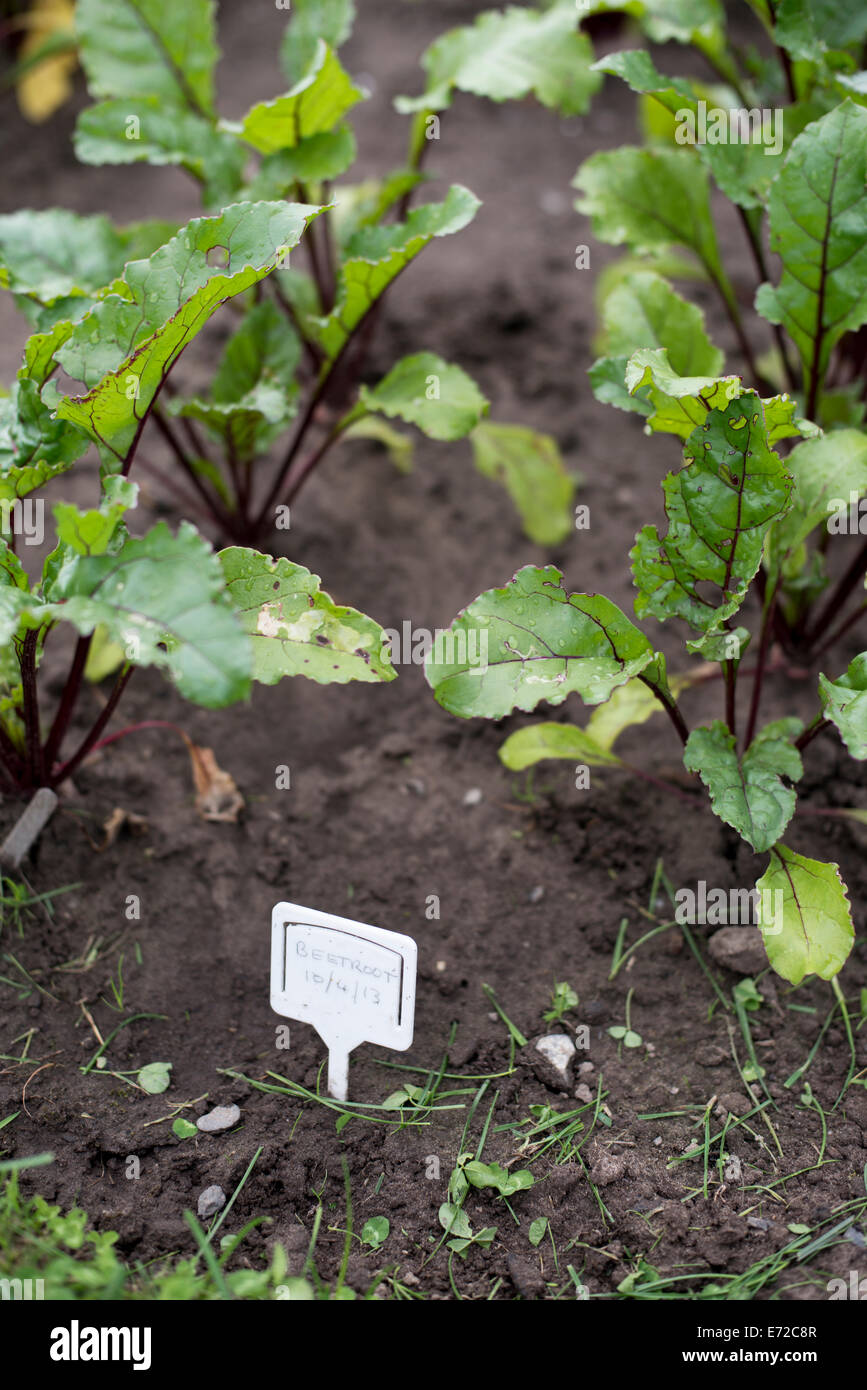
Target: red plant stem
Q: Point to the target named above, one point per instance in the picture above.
(764, 643)
(135, 728)
(216, 512)
(27, 663)
(818, 724)
(67, 704)
(670, 707)
(89, 742)
(841, 592)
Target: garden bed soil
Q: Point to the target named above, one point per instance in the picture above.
(532, 882)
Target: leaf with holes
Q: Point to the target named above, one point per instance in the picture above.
(296, 629)
(531, 641)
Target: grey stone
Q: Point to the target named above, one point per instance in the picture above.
(559, 1050)
(223, 1117)
(212, 1200)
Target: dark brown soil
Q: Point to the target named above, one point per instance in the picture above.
(531, 887)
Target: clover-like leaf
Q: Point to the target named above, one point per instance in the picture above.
(719, 507)
(296, 629)
(501, 1179)
(844, 702)
(748, 793)
(155, 1078)
(816, 934)
(531, 641)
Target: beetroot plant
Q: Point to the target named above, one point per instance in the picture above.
(289, 383)
(733, 502)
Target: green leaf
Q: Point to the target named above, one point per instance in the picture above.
(57, 255)
(254, 388)
(719, 507)
(630, 704)
(742, 167)
(538, 1230)
(643, 311)
(455, 1221)
(375, 1231)
(313, 107)
(154, 1078)
(844, 702)
(512, 54)
(530, 467)
(435, 396)
(816, 935)
(376, 255)
(678, 403)
(124, 347)
(144, 129)
(533, 744)
(536, 642)
(34, 446)
(607, 380)
(182, 1129)
(826, 472)
(818, 226)
(162, 598)
(501, 1179)
(651, 199)
(317, 158)
(296, 629)
(91, 532)
(806, 28)
(748, 793)
(399, 445)
(311, 21)
(149, 48)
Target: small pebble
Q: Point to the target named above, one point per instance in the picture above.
(658, 1140)
(558, 1049)
(415, 784)
(586, 1069)
(212, 1200)
(536, 894)
(584, 1093)
(759, 1223)
(223, 1117)
(441, 965)
(473, 796)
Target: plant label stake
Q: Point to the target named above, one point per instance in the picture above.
(353, 983)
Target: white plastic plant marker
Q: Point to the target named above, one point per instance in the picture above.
(352, 982)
